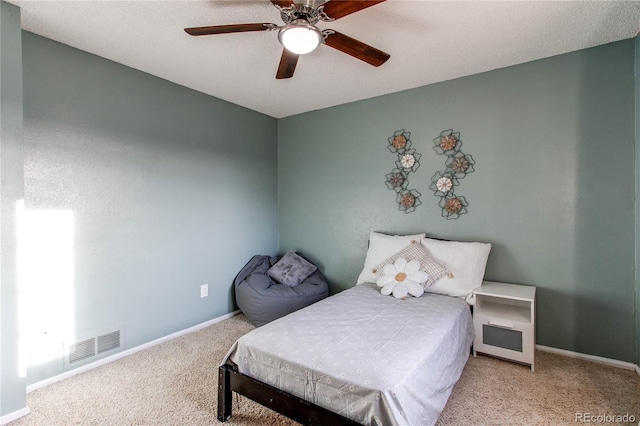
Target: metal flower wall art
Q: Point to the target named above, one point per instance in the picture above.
(457, 166)
(398, 179)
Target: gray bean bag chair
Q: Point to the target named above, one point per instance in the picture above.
(263, 300)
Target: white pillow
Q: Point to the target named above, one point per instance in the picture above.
(465, 261)
(381, 247)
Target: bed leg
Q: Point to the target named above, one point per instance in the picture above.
(224, 394)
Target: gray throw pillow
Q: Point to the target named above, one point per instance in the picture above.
(291, 270)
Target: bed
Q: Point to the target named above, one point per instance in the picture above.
(360, 357)
(369, 358)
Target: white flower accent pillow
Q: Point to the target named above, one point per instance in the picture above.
(427, 263)
(402, 278)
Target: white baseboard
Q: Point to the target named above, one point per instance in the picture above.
(593, 358)
(128, 352)
(10, 417)
(14, 415)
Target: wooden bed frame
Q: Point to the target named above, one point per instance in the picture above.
(293, 407)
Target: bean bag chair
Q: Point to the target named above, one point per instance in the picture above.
(262, 299)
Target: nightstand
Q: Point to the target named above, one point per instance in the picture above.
(504, 321)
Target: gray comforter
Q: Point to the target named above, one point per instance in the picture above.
(372, 358)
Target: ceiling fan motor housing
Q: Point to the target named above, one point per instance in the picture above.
(309, 13)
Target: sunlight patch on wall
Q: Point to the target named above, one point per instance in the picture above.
(45, 283)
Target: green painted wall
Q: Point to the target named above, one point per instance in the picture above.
(155, 177)
(637, 75)
(553, 189)
(12, 374)
(167, 189)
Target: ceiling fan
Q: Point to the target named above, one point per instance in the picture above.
(299, 34)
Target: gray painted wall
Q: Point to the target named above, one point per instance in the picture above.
(167, 188)
(553, 189)
(12, 375)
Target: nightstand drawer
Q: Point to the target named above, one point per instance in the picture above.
(504, 338)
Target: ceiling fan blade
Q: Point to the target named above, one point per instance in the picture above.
(283, 3)
(355, 48)
(224, 29)
(338, 8)
(287, 65)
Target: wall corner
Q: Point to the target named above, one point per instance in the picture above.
(637, 194)
(13, 381)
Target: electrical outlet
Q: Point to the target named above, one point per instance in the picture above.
(204, 290)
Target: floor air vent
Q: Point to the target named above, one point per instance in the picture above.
(87, 350)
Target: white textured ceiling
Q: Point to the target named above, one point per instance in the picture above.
(429, 41)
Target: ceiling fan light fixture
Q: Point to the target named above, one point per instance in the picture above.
(300, 37)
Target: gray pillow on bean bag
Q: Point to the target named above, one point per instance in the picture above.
(261, 299)
(291, 270)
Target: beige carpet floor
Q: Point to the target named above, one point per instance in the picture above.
(175, 384)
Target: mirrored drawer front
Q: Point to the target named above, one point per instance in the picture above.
(502, 337)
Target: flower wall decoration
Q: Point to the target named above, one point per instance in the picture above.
(447, 143)
(408, 162)
(408, 200)
(400, 141)
(457, 166)
(453, 206)
(460, 164)
(443, 183)
(397, 180)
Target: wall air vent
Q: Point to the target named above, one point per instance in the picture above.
(82, 350)
(88, 349)
(109, 341)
